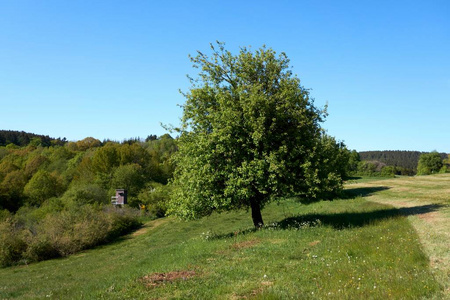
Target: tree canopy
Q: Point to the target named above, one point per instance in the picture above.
(250, 134)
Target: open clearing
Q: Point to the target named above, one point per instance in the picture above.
(426, 202)
(387, 240)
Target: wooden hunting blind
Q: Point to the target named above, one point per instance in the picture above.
(120, 198)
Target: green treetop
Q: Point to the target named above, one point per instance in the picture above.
(249, 134)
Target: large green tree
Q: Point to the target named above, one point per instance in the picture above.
(249, 134)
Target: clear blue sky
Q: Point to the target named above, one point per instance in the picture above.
(112, 69)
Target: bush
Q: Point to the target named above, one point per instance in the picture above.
(39, 247)
(12, 245)
(86, 194)
(4, 214)
(388, 171)
(155, 198)
(377, 168)
(430, 163)
(121, 220)
(33, 236)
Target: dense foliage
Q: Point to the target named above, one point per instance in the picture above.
(431, 163)
(250, 134)
(62, 192)
(87, 171)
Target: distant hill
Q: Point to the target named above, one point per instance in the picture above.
(404, 159)
(21, 138)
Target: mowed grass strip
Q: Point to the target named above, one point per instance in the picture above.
(425, 200)
(344, 249)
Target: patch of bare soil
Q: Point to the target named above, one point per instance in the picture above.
(245, 244)
(156, 279)
(264, 284)
(314, 243)
(255, 292)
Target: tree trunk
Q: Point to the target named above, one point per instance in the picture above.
(256, 213)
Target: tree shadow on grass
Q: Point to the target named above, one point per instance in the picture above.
(338, 220)
(354, 219)
(362, 192)
(352, 178)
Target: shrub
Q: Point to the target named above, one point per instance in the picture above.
(33, 236)
(388, 171)
(39, 247)
(430, 163)
(121, 220)
(11, 244)
(155, 198)
(86, 194)
(4, 214)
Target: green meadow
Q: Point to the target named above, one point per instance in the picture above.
(384, 240)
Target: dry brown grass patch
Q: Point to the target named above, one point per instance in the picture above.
(255, 292)
(277, 241)
(156, 279)
(314, 243)
(245, 244)
(430, 217)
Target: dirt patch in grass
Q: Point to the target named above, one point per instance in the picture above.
(314, 243)
(245, 244)
(264, 284)
(238, 246)
(155, 279)
(255, 292)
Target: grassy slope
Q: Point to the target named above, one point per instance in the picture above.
(345, 249)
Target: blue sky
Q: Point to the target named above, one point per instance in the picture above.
(112, 69)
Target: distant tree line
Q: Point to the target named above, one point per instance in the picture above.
(390, 163)
(406, 160)
(21, 138)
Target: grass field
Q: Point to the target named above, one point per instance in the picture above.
(388, 240)
(425, 200)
